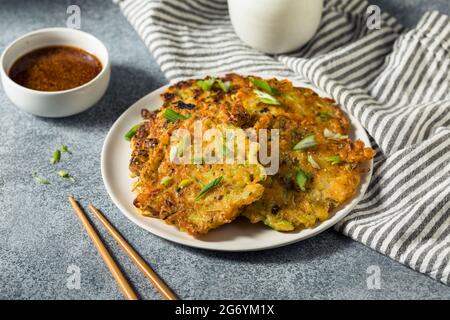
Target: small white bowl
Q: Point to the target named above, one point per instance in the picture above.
(55, 104)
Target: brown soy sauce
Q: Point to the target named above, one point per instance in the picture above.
(55, 68)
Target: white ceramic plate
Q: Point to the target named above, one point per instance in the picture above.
(239, 235)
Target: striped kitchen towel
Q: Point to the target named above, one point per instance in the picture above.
(395, 81)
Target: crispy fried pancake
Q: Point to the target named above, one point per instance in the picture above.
(284, 201)
(151, 163)
(284, 206)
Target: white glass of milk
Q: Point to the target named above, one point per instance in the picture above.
(275, 26)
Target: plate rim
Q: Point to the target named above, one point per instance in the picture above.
(323, 226)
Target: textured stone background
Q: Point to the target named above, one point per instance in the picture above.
(40, 236)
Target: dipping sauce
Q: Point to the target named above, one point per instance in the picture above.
(55, 68)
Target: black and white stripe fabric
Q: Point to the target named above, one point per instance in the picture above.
(396, 82)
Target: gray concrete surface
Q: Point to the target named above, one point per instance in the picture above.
(40, 237)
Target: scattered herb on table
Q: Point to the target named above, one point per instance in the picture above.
(39, 179)
(65, 174)
(56, 157)
(65, 149)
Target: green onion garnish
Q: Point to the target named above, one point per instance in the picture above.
(333, 136)
(166, 181)
(334, 159)
(130, 134)
(65, 149)
(173, 116)
(324, 116)
(211, 185)
(181, 145)
(301, 178)
(225, 86)
(65, 174)
(263, 85)
(313, 162)
(183, 184)
(266, 98)
(306, 142)
(206, 84)
(40, 180)
(56, 157)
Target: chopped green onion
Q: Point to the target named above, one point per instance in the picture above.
(334, 159)
(313, 162)
(181, 145)
(166, 181)
(40, 180)
(301, 178)
(56, 157)
(324, 116)
(130, 134)
(266, 98)
(65, 174)
(173, 116)
(225, 86)
(183, 184)
(206, 84)
(263, 85)
(333, 136)
(65, 149)
(306, 142)
(211, 185)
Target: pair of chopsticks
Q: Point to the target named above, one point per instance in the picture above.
(122, 282)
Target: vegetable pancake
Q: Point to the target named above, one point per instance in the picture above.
(196, 196)
(319, 166)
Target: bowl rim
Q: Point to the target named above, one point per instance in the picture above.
(105, 66)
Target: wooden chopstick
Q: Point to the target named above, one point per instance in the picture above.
(159, 284)
(111, 264)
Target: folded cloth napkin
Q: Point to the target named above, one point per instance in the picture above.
(395, 81)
